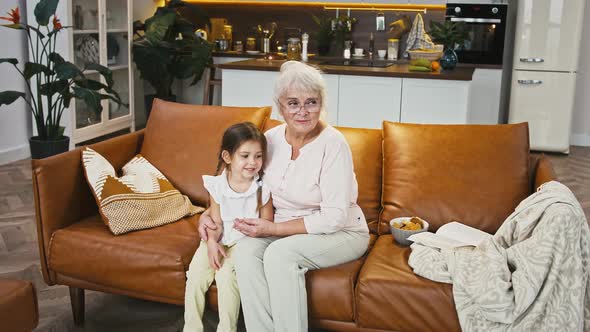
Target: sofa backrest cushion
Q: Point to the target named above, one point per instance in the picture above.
(474, 174)
(182, 141)
(367, 157)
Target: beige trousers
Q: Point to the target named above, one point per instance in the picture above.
(199, 278)
(271, 275)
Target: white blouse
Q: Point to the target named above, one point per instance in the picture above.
(320, 185)
(233, 204)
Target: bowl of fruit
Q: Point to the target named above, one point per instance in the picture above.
(403, 227)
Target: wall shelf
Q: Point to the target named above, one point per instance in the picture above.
(346, 5)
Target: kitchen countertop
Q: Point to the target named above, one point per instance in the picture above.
(396, 70)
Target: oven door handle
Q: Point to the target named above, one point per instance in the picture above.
(475, 20)
(530, 82)
(535, 60)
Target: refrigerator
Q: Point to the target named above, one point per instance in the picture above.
(546, 49)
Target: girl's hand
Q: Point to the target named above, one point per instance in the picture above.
(205, 222)
(255, 227)
(215, 251)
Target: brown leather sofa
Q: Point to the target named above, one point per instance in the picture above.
(19, 310)
(474, 174)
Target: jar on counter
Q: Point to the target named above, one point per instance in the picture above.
(392, 48)
(294, 49)
(228, 33)
(238, 46)
(251, 44)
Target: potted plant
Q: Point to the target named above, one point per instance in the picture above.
(342, 32)
(168, 49)
(56, 80)
(324, 34)
(452, 35)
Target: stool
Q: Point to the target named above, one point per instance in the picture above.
(19, 310)
(210, 83)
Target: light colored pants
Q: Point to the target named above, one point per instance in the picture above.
(271, 275)
(199, 278)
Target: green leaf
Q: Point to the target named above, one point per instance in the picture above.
(44, 10)
(104, 71)
(9, 60)
(49, 89)
(67, 70)
(156, 27)
(56, 58)
(32, 69)
(90, 97)
(8, 97)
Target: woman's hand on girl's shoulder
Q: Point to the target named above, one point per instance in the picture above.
(255, 227)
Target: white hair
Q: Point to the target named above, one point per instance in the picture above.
(301, 77)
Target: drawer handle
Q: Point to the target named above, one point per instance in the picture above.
(530, 82)
(535, 60)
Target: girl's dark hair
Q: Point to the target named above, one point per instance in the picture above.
(233, 138)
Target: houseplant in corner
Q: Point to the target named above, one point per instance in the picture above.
(451, 35)
(168, 49)
(55, 80)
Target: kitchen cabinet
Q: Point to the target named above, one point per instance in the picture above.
(361, 101)
(548, 35)
(365, 101)
(537, 96)
(434, 101)
(484, 96)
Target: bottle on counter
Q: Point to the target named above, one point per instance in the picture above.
(392, 48)
(371, 45)
(304, 41)
(347, 47)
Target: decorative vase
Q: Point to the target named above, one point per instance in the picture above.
(449, 59)
(45, 148)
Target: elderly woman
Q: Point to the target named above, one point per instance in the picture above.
(317, 221)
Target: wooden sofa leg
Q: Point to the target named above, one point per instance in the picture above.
(77, 301)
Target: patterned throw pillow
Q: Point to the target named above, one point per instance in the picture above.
(141, 198)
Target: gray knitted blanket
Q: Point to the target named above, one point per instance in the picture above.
(532, 275)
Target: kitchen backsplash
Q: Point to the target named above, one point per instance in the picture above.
(290, 20)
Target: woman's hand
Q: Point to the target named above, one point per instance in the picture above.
(205, 222)
(215, 251)
(255, 227)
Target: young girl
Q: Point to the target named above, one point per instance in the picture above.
(236, 192)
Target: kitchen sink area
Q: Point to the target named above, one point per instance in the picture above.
(358, 63)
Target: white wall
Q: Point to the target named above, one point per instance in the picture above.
(15, 119)
(581, 118)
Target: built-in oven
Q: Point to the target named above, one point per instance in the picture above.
(486, 29)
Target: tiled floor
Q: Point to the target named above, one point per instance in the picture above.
(19, 257)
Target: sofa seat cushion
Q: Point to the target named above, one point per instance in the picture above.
(151, 262)
(474, 174)
(391, 297)
(183, 141)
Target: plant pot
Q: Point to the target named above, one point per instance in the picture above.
(149, 100)
(324, 50)
(45, 148)
(449, 59)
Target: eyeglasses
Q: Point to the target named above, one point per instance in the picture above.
(310, 105)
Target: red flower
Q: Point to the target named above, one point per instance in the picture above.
(56, 23)
(14, 16)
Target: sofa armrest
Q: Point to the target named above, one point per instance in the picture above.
(62, 195)
(541, 171)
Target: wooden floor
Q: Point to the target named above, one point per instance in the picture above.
(19, 257)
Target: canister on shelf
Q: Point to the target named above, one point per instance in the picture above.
(294, 49)
(251, 44)
(392, 48)
(238, 46)
(228, 33)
